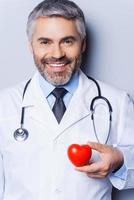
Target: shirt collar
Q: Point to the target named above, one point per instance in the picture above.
(47, 88)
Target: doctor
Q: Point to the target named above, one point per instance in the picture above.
(37, 167)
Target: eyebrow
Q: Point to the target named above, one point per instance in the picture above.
(43, 38)
(62, 39)
(69, 37)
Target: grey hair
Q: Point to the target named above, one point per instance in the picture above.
(60, 8)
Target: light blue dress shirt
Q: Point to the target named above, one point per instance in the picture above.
(47, 88)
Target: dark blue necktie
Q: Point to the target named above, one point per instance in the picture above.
(59, 106)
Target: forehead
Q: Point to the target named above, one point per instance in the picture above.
(55, 27)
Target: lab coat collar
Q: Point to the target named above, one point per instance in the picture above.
(78, 108)
(40, 110)
(30, 96)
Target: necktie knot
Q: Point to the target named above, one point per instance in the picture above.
(59, 92)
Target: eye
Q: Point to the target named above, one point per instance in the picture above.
(68, 41)
(45, 42)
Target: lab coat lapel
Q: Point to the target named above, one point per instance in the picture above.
(39, 109)
(79, 106)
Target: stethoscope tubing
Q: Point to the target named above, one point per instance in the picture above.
(21, 134)
(23, 108)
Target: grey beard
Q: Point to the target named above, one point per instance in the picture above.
(58, 78)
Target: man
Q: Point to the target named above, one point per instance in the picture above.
(56, 113)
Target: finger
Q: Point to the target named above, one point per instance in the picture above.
(99, 176)
(92, 168)
(97, 146)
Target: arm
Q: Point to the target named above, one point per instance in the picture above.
(117, 160)
(1, 178)
(124, 177)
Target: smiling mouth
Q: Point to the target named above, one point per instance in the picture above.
(56, 64)
(57, 67)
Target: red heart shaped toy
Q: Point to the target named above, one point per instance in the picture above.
(79, 155)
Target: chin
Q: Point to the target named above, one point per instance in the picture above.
(59, 78)
(58, 82)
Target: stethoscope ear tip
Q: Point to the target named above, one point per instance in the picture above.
(21, 134)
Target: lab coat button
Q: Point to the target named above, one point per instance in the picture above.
(57, 191)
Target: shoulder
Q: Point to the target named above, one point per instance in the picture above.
(111, 90)
(10, 98)
(106, 88)
(114, 94)
(12, 92)
(119, 99)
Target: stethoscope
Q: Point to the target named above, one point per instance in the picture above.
(21, 134)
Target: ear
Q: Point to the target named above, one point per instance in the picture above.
(83, 47)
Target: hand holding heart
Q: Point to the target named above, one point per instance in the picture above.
(111, 159)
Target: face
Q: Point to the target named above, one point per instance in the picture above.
(57, 48)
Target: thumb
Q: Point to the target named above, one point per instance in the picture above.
(97, 146)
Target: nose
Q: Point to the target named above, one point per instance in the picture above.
(58, 52)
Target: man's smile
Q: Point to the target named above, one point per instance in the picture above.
(56, 67)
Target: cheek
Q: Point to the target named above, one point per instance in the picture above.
(38, 51)
(74, 53)
(39, 54)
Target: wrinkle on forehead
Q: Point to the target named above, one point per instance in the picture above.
(55, 27)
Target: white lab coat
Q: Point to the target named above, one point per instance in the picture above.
(39, 169)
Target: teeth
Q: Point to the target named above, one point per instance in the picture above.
(57, 65)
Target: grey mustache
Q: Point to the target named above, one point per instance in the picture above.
(56, 60)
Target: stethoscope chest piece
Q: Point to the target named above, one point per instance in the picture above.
(21, 134)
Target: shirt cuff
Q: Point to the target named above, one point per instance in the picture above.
(118, 179)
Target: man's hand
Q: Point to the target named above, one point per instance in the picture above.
(111, 159)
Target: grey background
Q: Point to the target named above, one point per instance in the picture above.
(110, 55)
